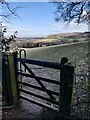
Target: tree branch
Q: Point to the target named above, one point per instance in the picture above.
(11, 11)
(67, 11)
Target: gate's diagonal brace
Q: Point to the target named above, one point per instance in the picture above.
(39, 82)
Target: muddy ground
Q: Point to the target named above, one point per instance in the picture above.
(81, 105)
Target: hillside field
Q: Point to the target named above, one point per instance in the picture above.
(56, 39)
(74, 52)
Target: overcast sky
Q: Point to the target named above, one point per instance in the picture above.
(38, 19)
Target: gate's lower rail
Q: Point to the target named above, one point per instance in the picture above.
(39, 96)
(39, 103)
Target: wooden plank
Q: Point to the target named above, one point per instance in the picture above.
(39, 82)
(41, 78)
(39, 88)
(42, 63)
(39, 96)
(38, 103)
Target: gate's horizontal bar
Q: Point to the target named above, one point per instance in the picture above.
(39, 96)
(42, 63)
(38, 103)
(39, 82)
(39, 88)
(41, 78)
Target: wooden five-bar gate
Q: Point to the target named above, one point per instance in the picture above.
(22, 68)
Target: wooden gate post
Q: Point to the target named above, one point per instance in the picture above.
(6, 82)
(13, 75)
(66, 89)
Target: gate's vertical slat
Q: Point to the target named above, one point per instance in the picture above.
(20, 55)
(66, 90)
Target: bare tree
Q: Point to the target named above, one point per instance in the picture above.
(11, 11)
(68, 11)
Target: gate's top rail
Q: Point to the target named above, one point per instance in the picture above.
(53, 65)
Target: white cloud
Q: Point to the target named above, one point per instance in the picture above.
(67, 28)
(22, 30)
(50, 28)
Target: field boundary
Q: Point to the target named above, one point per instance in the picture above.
(67, 44)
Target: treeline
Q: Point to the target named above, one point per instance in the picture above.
(26, 44)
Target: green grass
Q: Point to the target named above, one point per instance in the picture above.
(62, 38)
(72, 39)
(47, 40)
(55, 53)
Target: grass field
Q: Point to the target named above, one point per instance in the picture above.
(47, 40)
(54, 53)
(56, 39)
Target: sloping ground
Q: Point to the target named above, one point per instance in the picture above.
(78, 54)
(70, 35)
(74, 52)
(53, 39)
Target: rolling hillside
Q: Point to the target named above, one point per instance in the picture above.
(70, 35)
(55, 39)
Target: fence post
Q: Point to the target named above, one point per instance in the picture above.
(6, 83)
(15, 55)
(10, 78)
(66, 89)
(13, 76)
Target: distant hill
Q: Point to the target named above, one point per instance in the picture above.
(70, 35)
(30, 38)
(57, 36)
(54, 39)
